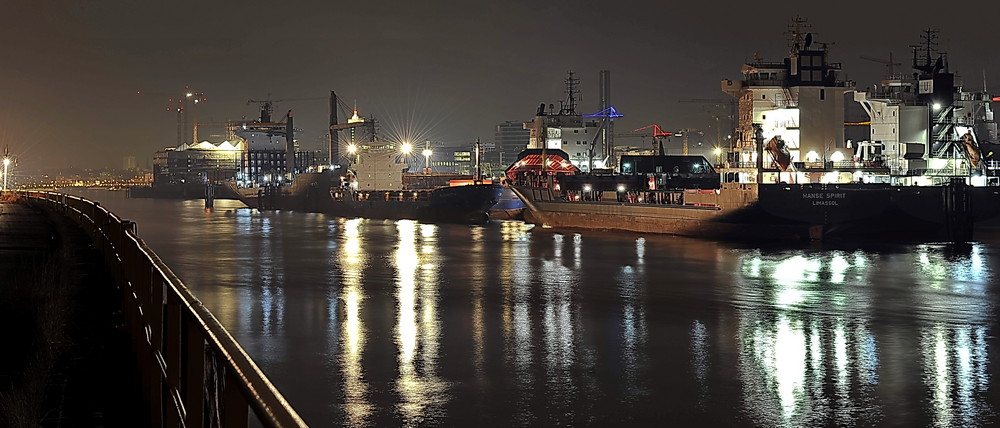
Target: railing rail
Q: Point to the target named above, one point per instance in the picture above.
(194, 374)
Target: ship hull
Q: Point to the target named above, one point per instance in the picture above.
(316, 193)
(745, 212)
(178, 191)
(509, 207)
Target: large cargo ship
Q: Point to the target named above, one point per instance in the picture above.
(790, 172)
(372, 185)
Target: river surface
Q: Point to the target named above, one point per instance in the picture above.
(387, 323)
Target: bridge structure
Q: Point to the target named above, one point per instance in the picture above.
(194, 373)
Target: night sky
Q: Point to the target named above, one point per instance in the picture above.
(444, 71)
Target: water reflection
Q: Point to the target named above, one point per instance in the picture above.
(352, 261)
(954, 365)
(478, 278)
(558, 327)
(517, 326)
(789, 356)
(508, 325)
(422, 393)
(633, 321)
(800, 333)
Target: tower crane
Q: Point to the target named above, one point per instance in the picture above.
(887, 63)
(656, 135)
(181, 105)
(683, 133)
(711, 106)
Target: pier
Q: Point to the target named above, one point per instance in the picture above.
(134, 347)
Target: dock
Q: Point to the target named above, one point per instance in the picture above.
(102, 333)
(67, 359)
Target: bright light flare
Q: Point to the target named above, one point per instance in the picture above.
(406, 148)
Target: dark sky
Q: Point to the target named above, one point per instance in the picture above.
(440, 70)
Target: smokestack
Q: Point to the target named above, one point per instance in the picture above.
(289, 146)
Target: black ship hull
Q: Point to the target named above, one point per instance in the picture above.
(747, 211)
(318, 193)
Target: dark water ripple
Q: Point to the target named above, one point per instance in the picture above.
(382, 323)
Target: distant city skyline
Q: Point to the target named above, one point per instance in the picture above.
(87, 83)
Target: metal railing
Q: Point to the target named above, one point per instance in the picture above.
(194, 374)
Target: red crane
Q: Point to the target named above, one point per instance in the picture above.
(657, 134)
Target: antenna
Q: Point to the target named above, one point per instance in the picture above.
(796, 38)
(929, 36)
(572, 89)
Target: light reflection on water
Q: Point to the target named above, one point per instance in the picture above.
(384, 323)
(352, 261)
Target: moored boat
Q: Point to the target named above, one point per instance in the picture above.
(791, 173)
(374, 185)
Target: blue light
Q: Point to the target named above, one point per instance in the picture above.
(609, 112)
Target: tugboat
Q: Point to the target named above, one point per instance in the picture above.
(372, 185)
(921, 176)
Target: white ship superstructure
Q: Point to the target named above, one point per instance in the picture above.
(925, 127)
(799, 100)
(569, 131)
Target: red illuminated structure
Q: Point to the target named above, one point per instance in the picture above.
(529, 165)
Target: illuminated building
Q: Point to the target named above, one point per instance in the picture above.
(196, 163)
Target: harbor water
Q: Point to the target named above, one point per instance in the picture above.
(385, 323)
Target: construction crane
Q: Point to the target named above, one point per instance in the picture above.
(683, 133)
(887, 63)
(656, 135)
(708, 105)
(181, 104)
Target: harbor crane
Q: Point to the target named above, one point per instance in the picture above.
(656, 136)
(887, 63)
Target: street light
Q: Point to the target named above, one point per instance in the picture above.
(406, 148)
(718, 154)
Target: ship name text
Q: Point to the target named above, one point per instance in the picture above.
(825, 198)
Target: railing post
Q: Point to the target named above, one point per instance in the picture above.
(172, 356)
(234, 404)
(193, 387)
(155, 318)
